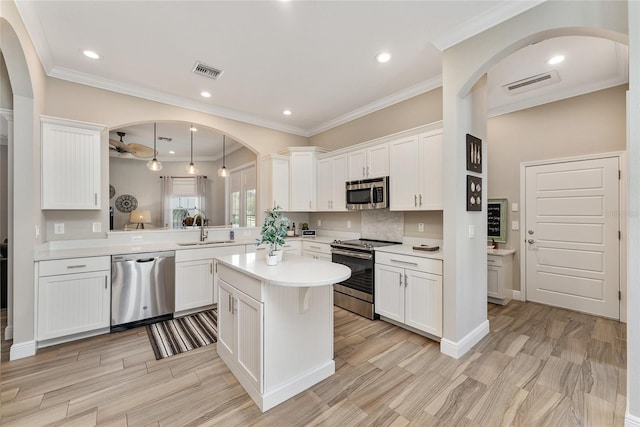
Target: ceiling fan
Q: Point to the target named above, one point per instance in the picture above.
(122, 149)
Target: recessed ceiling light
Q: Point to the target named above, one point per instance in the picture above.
(172, 152)
(91, 54)
(205, 94)
(193, 129)
(287, 112)
(556, 60)
(383, 57)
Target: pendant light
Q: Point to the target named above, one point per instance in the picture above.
(154, 164)
(191, 168)
(223, 171)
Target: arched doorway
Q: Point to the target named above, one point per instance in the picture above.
(465, 112)
(22, 140)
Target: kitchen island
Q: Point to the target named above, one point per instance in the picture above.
(275, 323)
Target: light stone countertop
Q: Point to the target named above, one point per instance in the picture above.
(293, 271)
(500, 252)
(408, 250)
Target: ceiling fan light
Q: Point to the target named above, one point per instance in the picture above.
(154, 165)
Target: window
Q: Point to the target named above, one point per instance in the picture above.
(182, 197)
(242, 196)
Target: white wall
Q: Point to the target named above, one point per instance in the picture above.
(586, 124)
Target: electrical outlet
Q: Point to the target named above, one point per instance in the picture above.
(514, 207)
(319, 223)
(348, 223)
(97, 227)
(58, 228)
(515, 225)
(421, 227)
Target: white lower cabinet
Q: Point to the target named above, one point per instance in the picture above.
(74, 297)
(317, 250)
(240, 338)
(408, 290)
(196, 286)
(500, 276)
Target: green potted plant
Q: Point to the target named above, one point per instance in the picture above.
(274, 231)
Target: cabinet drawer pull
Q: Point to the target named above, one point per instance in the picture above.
(260, 249)
(404, 262)
(230, 303)
(95, 199)
(211, 268)
(406, 280)
(421, 200)
(77, 266)
(491, 260)
(105, 282)
(415, 200)
(316, 247)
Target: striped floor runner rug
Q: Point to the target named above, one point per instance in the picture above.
(182, 334)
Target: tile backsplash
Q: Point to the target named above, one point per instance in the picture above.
(382, 224)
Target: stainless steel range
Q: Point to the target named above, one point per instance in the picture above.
(357, 293)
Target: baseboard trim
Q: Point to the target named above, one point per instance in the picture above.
(22, 350)
(517, 295)
(631, 420)
(8, 333)
(461, 347)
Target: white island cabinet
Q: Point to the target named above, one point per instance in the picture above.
(275, 323)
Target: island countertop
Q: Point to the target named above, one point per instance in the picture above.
(293, 271)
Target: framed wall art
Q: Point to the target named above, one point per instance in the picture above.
(474, 193)
(474, 154)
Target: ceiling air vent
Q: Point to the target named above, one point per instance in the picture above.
(207, 71)
(531, 83)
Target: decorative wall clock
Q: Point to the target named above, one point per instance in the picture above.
(126, 203)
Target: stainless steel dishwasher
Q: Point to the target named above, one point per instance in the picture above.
(142, 288)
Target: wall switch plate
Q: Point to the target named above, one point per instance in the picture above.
(514, 207)
(421, 227)
(348, 223)
(472, 231)
(319, 223)
(96, 227)
(37, 232)
(58, 228)
(515, 225)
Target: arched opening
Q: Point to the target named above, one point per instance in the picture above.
(20, 183)
(128, 174)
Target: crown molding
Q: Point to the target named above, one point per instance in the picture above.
(36, 33)
(126, 89)
(490, 18)
(378, 105)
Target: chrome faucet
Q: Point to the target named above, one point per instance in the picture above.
(204, 233)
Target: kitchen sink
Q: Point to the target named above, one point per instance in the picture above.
(209, 242)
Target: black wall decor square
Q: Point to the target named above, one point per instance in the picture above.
(474, 154)
(474, 193)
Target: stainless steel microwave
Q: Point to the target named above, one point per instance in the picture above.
(368, 193)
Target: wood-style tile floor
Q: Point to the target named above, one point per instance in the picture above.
(538, 366)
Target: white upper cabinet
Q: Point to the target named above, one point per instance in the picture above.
(275, 182)
(332, 175)
(71, 164)
(370, 162)
(415, 171)
(302, 178)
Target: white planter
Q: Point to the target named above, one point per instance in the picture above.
(271, 259)
(278, 253)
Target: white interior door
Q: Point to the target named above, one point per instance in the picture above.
(572, 241)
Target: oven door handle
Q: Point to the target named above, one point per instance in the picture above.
(352, 254)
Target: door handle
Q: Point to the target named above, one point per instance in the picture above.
(531, 241)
